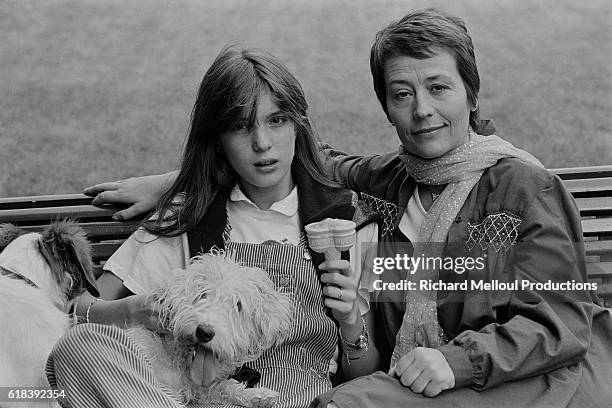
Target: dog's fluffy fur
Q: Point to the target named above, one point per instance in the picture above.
(58, 262)
(235, 305)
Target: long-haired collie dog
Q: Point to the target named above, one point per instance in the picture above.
(41, 274)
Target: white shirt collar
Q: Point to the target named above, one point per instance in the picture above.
(287, 206)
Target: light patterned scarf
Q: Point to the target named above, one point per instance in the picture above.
(460, 169)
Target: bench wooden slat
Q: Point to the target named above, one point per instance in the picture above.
(103, 250)
(97, 231)
(31, 215)
(595, 206)
(599, 248)
(110, 230)
(597, 226)
(604, 291)
(570, 173)
(599, 270)
(589, 187)
(44, 201)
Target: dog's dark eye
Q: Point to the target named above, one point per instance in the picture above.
(200, 297)
(239, 306)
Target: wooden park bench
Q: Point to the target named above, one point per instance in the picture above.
(590, 186)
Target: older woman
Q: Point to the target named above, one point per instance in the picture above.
(506, 336)
(501, 331)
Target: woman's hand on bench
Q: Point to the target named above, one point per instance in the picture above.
(141, 193)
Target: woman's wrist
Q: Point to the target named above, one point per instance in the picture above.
(354, 340)
(97, 310)
(132, 310)
(351, 327)
(88, 312)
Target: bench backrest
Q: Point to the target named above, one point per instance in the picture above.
(590, 186)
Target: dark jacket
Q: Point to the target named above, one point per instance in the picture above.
(520, 219)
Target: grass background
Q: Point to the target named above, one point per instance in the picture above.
(94, 90)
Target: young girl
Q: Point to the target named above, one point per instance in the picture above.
(250, 180)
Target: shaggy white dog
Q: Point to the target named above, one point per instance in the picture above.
(221, 315)
(40, 276)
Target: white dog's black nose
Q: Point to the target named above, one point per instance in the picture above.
(204, 334)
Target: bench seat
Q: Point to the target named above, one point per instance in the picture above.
(590, 186)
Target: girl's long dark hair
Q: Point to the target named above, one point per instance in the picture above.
(228, 93)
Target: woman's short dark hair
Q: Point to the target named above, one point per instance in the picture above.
(228, 93)
(417, 35)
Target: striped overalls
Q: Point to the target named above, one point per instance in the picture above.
(297, 368)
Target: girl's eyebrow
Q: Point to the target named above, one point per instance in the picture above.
(276, 113)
